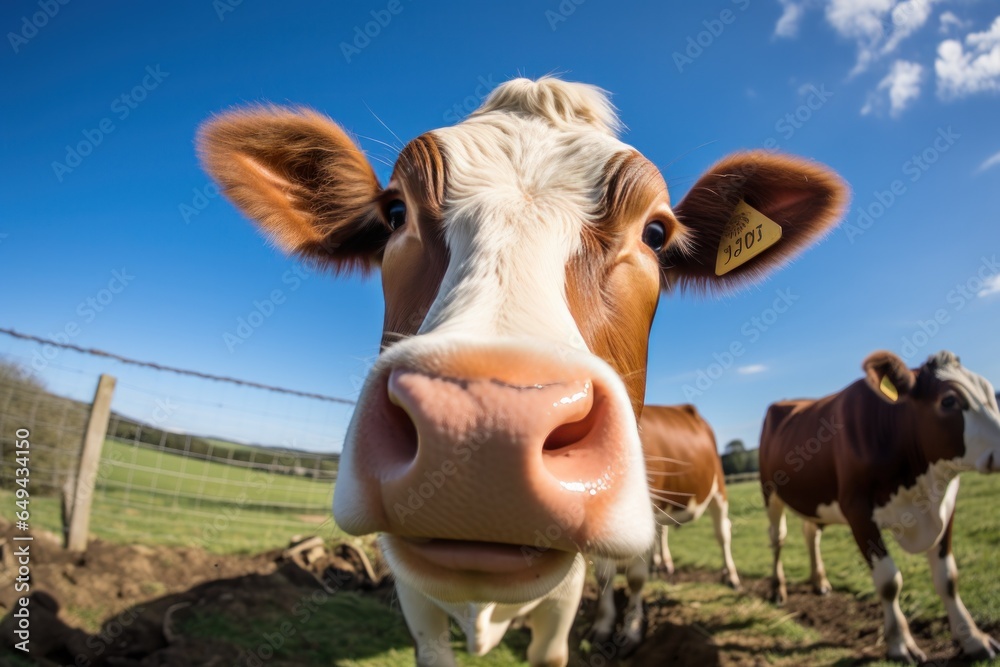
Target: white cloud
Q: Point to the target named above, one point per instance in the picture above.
(907, 17)
(902, 86)
(972, 68)
(751, 369)
(791, 18)
(991, 287)
(877, 26)
(989, 162)
(950, 21)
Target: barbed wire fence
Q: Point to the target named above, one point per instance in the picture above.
(189, 459)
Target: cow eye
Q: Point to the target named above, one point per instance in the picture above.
(654, 235)
(949, 402)
(396, 212)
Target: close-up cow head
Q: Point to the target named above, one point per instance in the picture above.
(522, 254)
(954, 410)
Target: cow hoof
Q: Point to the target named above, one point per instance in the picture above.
(982, 648)
(822, 588)
(732, 581)
(663, 570)
(779, 596)
(908, 655)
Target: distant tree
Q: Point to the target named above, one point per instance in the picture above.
(735, 446)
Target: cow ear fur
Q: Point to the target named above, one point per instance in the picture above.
(888, 376)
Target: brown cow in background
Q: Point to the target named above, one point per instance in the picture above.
(885, 453)
(685, 478)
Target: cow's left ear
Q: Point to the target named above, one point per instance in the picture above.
(724, 240)
(888, 376)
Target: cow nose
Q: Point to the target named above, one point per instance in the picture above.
(527, 419)
(497, 457)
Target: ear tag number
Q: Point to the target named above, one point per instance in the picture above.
(889, 389)
(747, 234)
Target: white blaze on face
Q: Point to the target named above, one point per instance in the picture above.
(518, 195)
(982, 418)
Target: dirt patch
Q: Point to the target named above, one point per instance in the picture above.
(136, 606)
(686, 635)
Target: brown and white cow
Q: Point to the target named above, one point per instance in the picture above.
(685, 478)
(884, 454)
(522, 255)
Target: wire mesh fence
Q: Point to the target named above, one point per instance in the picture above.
(186, 461)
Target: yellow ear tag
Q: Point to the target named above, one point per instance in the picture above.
(888, 388)
(747, 234)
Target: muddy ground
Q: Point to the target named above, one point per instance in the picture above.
(143, 598)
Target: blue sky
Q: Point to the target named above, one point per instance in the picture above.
(900, 97)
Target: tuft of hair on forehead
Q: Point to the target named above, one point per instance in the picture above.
(943, 359)
(565, 104)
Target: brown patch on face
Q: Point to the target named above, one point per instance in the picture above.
(681, 434)
(613, 283)
(416, 256)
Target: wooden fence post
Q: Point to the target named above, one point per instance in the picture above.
(90, 457)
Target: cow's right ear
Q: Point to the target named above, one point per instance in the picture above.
(301, 179)
(888, 376)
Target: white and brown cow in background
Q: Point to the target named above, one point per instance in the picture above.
(522, 255)
(884, 454)
(685, 479)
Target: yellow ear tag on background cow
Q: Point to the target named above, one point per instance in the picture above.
(888, 388)
(747, 234)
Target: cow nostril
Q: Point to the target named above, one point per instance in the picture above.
(402, 445)
(569, 434)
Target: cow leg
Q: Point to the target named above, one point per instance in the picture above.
(817, 572)
(888, 582)
(719, 507)
(778, 531)
(604, 622)
(637, 574)
(973, 641)
(429, 625)
(662, 560)
(551, 622)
